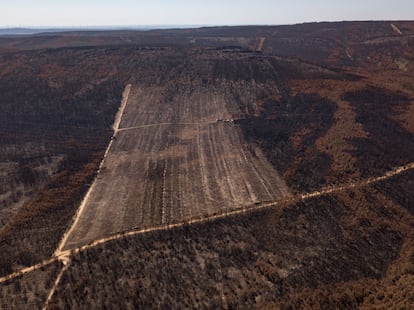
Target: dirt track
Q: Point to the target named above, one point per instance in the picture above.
(260, 44)
(173, 161)
(65, 256)
(85, 200)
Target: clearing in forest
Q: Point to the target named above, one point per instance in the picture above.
(173, 160)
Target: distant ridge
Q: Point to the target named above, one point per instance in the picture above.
(37, 30)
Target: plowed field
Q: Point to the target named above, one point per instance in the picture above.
(172, 161)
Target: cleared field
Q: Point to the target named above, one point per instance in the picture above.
(157, 105)
(173, 166)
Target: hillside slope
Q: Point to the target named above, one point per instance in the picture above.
(329, 105)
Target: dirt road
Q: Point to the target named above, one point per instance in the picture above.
(260, 45)
(65, 256)
(85, 200)
(396, 29)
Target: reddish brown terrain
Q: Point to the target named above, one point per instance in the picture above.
(252, 167)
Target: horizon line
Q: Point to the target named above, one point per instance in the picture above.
(188, 25)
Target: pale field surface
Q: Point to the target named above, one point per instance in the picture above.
(151, 105)
(189, 166)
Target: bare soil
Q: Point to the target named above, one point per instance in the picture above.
(193, 164)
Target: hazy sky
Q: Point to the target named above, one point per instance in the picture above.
(196, 12)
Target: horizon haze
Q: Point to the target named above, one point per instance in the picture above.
(128, 13)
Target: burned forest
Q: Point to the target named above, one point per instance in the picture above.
(248, 167)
